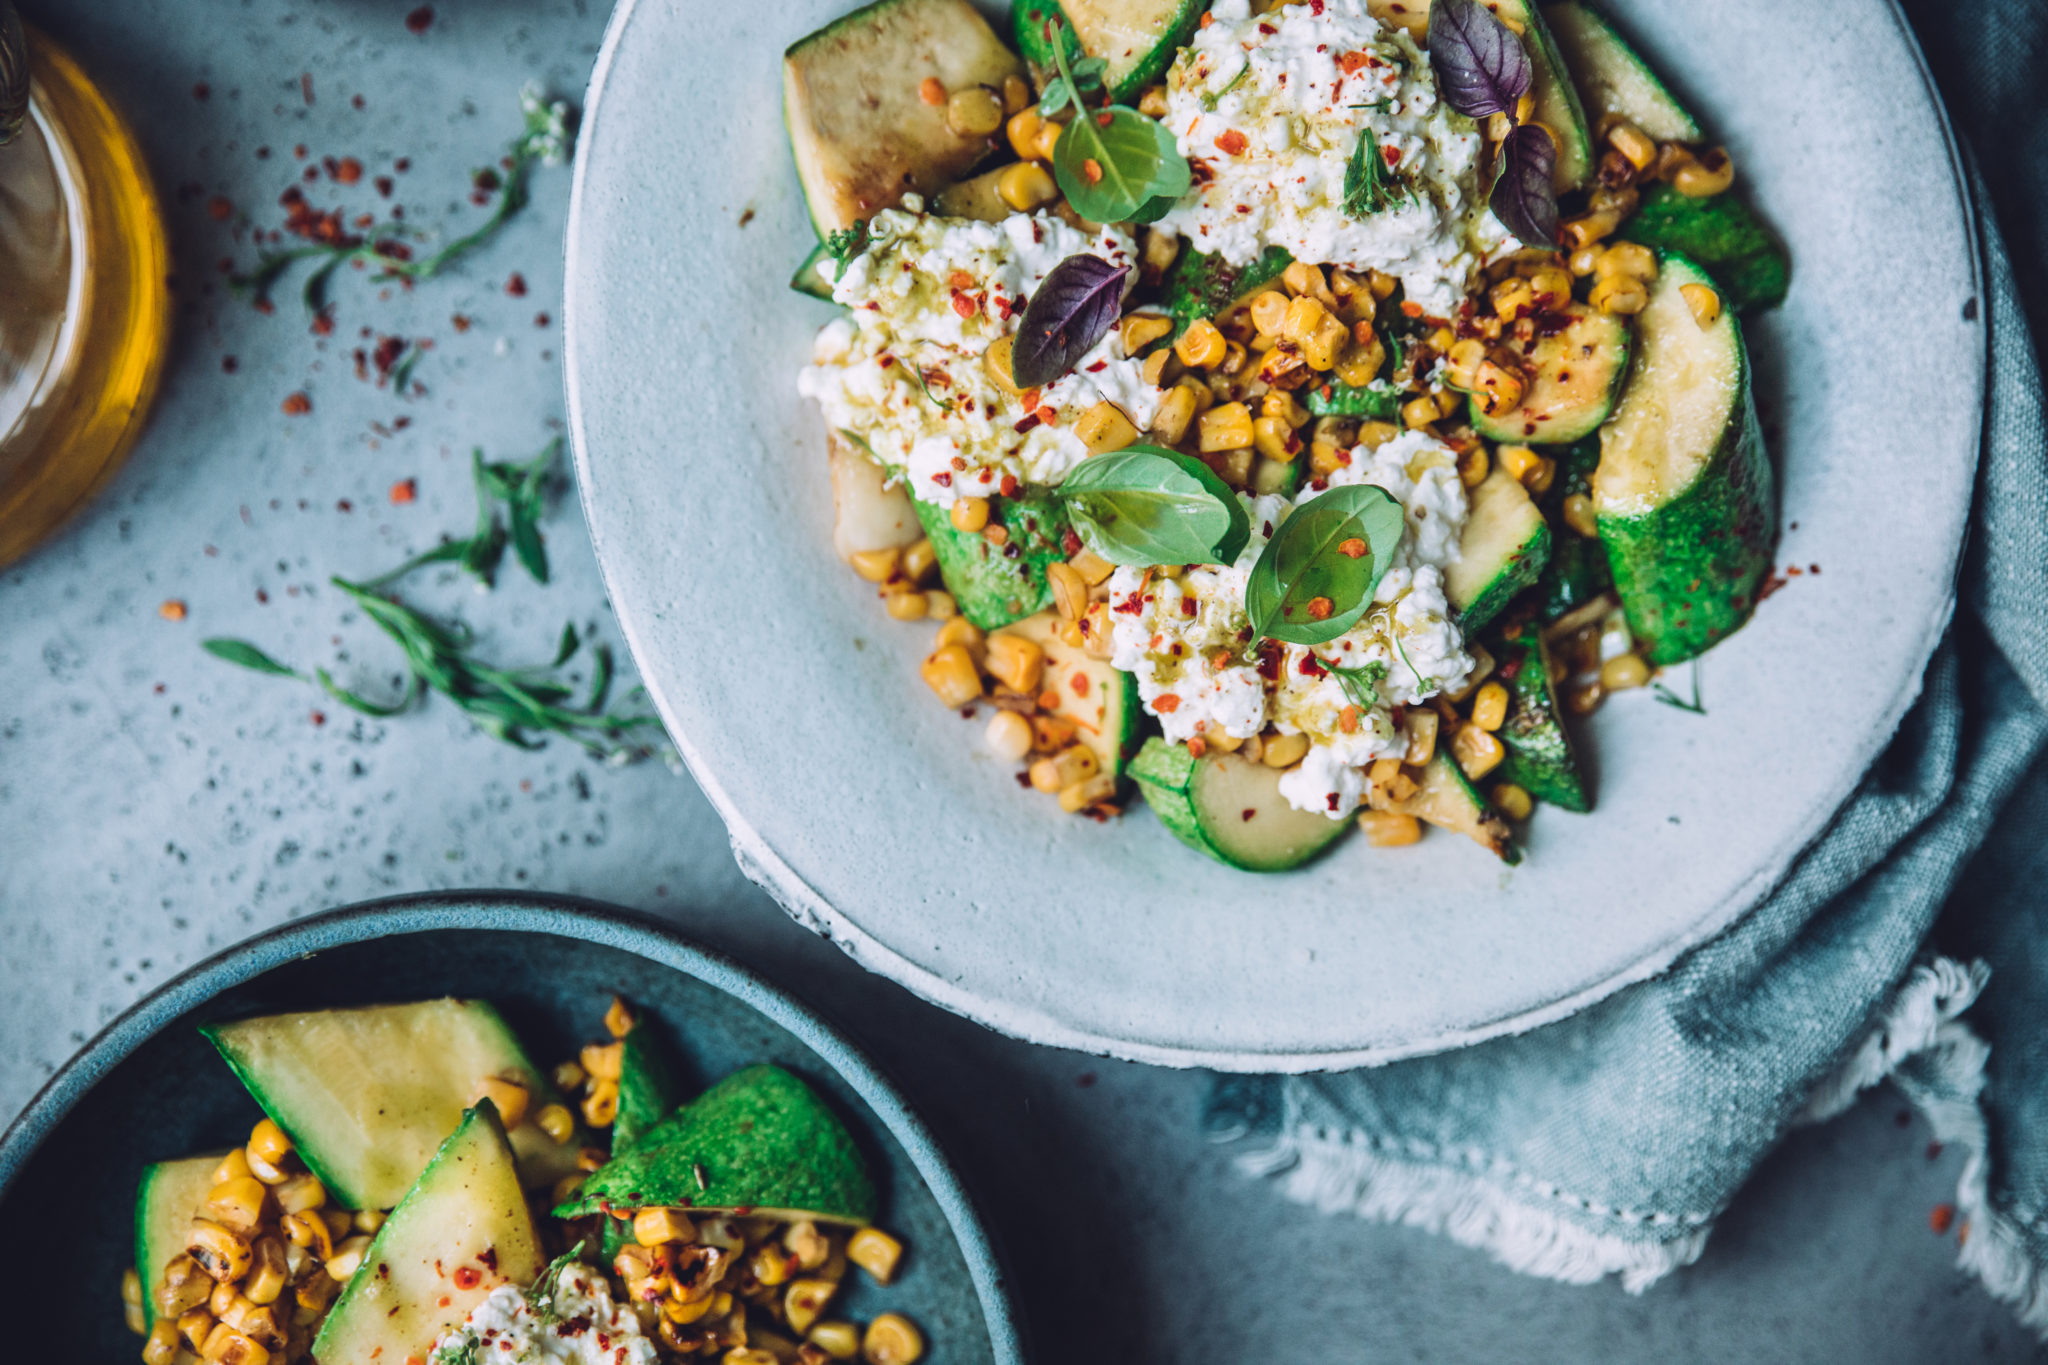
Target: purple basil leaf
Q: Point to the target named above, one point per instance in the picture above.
(1480, 65)
(1525, 190)
(1076, 305)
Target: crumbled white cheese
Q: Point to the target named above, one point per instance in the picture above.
(903, 371)
(1188, 641)
(1273, 105)
(585, 1328)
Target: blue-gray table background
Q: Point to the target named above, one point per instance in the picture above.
(156, 806)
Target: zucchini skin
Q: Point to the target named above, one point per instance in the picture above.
(1540, 759)
(992, 586)
(1720, 233)
(1688, 571)
(1027, 27)
(1166, 775)
(1577, 571)
(1201, 285)
(1521, 570)
(1334, 399)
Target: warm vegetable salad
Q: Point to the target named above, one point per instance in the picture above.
(1306, 411)
(420, 1194)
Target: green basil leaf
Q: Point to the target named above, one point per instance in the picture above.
(1135, 161)
(246, 655)
(1310, 584)
(1147, 505)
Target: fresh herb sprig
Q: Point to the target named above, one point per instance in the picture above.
(1316, 576)
(1148, 505)
(545, 1291)
(1077, 88)
(546, 138)
(466, 1349)
(521, 487)
(1113, 164)
(1482, 69)
(1360, 683)
(924, 387)
(1369, 186)
(1670, 698)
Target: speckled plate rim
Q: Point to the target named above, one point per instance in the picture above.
(531, 913)
(767, 869)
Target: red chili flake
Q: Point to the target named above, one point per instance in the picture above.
(1188, 605)
(1166, 703)
(1009, 486)
(1410, 308)
(1070, 543)
(1231, 142)
(420, 20)
(405, 491)
(943, 478)
(1353, 548)
(348, 170)
(965, 304)
(516, 286)
(1130, 606)
(1025, 423)
(1098, 367)
(1391, 155)
(228, 364)
(387, 354)
(468, 1277)
(323, 323)
(1248, 813)
(1771, 584)
(1332, 799)
(306, 86)
(1310, 667)
(1079, 683)
(1091, 170)
(172, 610)
(1942, 1219)
(1048, 415)
(1207, 19)
(1319, 608)
(344, 506)
(318, 718)
(297, 405)
(460, 322)
(542, 320)
(1351, 63)
(1813, 568)
(356, 101)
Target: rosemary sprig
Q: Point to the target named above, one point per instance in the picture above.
(1670, 698)
(546, 138)
(543, 1292)
(522, 487)
(924, 387)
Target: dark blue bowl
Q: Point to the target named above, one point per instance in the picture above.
(149, 1087)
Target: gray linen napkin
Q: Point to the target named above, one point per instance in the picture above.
(1610, 1142)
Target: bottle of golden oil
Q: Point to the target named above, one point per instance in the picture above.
(85, 312)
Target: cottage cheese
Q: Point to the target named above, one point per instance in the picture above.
(903, 371)
(1188, 641)
(1272, 106)
(586, 1328)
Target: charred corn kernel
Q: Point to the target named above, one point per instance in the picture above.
(962, 632)
(1373, 435)
(1584, 699)
(195, 1326)
(1268, 312)
(314, 1292)
(1590, 228)
(803, 1303)
(876, 566)
(1076, 763)
(1026, 186)
(1476, 751)
(1540, 476)
(1709, 173)
(1140, 330)
(891, 1339)
(1089, 791)
(556, 1121)
(304, 1191)
(132, 1315)
(1337, 431)
(1325, 458)
(1283, 405)
(996, 362)
(1092, 567)
(238, 1204)
(969, 514)
(1473, 465)
(1097, 640)
(872, 1249)
(226, 1346)
(976, 111)
(1619, 295)
(265, 1171)
(1048, 140)
(217, 1250)
(308, 1230)
(1496, 388)
(510, 1098)
(1176, 410)
(601, 1105)
(839, 1340)
(184, 1287)
(1234, 358)
(950, 672)
(748, 1355)
(1016, 95)
(1704, 302)
(1323, 347)
(811, 1247)
(1417, 413)
(1234, 467)
(223, 1297)
(1226, 427)
(1633, 143)
(1518, 461)
(1015, 662)
(267, 1142)
(1152, 369)
(1382, 771)
(618, 1018)
(1360, 360)
(1420, 728)
(1301, 278)
(1631, 259)
(1104, 427)
(1490, 706)
(1552, 284)
(1622, 200)
(1303, 317)
(347, 1258)
(1200, 346)
(1283, 751)
(604, 1061)
(1512, 801)
(654, 1226)
(162, 1346)
(1388, 829)
(1623, 672)
(1513, 297)
(1578, 514)
(235, 1163)
(908, 605)
(267, 1274)
(770, 1265)
(1273, 438)
(131, 1287)
(919, 560)
(1069, 590)
(1584, 261)
(569, 1076)
(1022, 131)
(340, 1222)
(1159, 251)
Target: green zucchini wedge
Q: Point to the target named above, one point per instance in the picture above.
(1557, 99)
(460, 1232)
(1504, 548)
(1719, 232)
(1612, 79)
(1684, 496)
(1378, 401)
(1230, 808)
(170, 1195)
(1446, 798)
(761, 1142)
(1577, 571)
(367, 1095)
(1137, 38)
(1575, 374)
(1202, 285)
(1100, 700)
(1541, 759)
(862, 135)
(997, 584)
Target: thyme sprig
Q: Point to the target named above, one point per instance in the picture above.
(543, 1294)
(1670, 698)
(547, 138)
(522, 488)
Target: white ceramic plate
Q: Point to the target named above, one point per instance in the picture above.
(873, 815)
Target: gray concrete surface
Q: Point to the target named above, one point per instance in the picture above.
(156, 805)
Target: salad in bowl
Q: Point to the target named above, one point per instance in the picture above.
(1304, 414)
